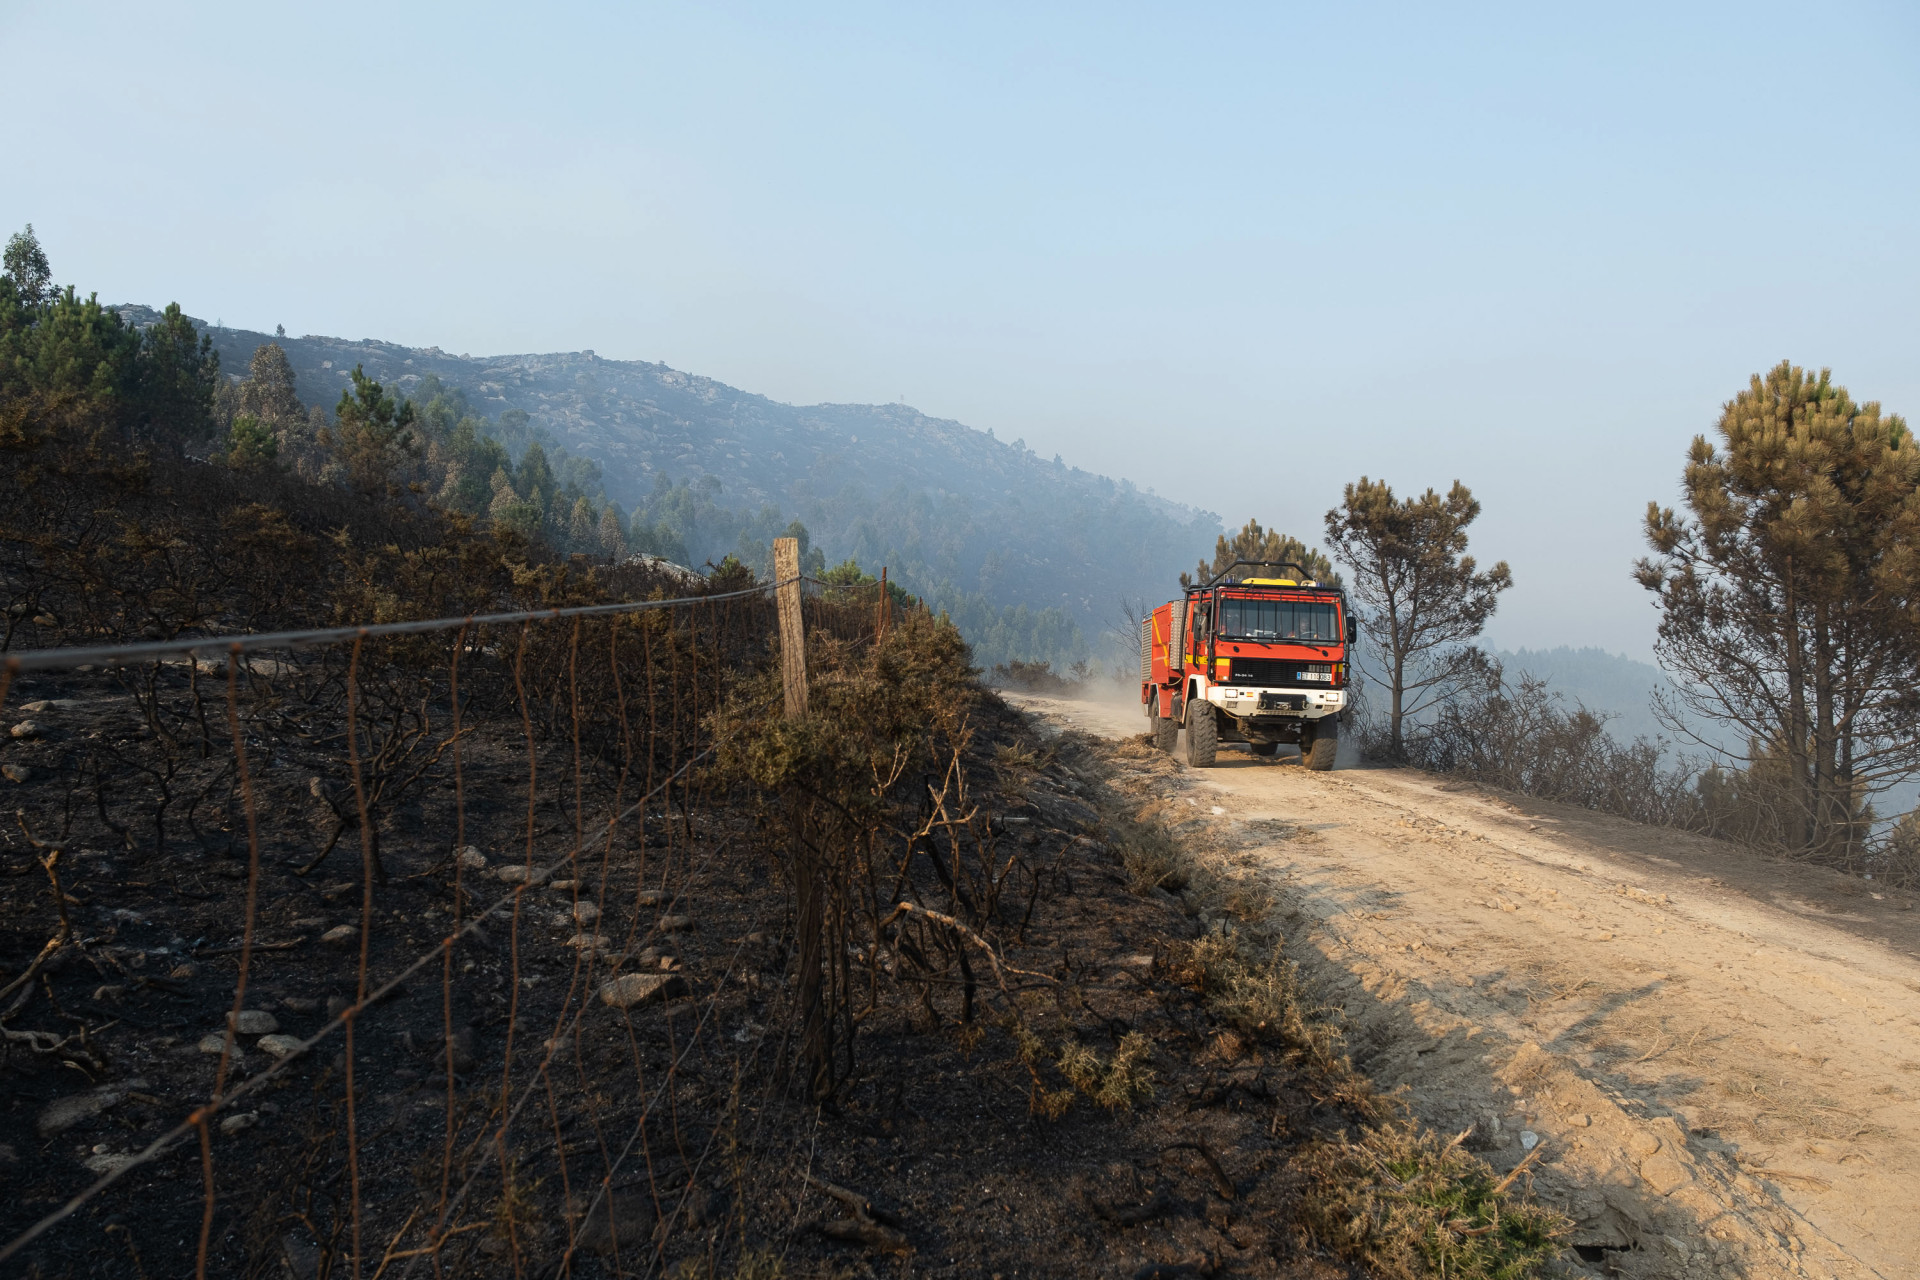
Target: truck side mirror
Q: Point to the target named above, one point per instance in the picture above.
(1353, 629)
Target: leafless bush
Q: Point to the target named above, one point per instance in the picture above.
(1524, 737)
(1896, 859)
(1040, 677)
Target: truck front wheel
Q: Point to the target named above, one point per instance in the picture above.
(1320, 744)
(1203, 734)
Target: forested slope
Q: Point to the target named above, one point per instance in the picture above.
(976, 524)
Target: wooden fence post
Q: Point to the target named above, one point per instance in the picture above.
(880, 628)
(793, 636)
(816, 1045)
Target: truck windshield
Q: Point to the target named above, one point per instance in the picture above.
(1270, 619)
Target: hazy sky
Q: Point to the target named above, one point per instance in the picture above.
(1241, 255)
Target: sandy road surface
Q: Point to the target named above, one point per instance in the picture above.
(1720, 1056)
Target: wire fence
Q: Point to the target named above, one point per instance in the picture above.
(384, 950)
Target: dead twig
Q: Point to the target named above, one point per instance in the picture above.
(1000, 969)
(860, 1231)
(870, 1226)
(258, 946)
(52, 865)
(856, 1202)
(1520, 1168)
(27, 975)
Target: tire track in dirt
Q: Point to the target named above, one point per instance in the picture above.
(1721, 1056)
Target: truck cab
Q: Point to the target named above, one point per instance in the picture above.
(1260, 660)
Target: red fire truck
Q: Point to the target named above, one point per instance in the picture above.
(1248, 659)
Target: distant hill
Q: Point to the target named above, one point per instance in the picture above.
(1624, 688)
(961, 517)
(1601, 681)
(1618, 687)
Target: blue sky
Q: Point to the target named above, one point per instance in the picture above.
(1241, 255)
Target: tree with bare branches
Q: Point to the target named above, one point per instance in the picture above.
(1789, 599)
(1422, 599)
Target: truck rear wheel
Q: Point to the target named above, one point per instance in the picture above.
(1265, 748)
(1322, 746)
(1166, 733)
(1203, 734)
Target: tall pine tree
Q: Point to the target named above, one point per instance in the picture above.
(1789, 599)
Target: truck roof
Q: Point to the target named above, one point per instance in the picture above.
(1307, 587)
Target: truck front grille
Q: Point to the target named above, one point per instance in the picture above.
(1280, 672)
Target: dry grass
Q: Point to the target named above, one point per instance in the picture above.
(1406, 1206)
(1152, 858)
(1116, 1083)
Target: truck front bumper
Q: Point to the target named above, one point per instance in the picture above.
(1259, 705)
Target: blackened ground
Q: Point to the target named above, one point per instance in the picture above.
(689, 1110)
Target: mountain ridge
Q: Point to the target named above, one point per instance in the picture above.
(951, 508)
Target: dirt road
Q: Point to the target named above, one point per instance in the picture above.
(1720, 1057)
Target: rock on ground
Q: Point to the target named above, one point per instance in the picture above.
(631, 990)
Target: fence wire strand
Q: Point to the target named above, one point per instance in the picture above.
(412, 721)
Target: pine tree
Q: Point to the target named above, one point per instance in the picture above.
(611, 540)
(269, 393)
(179, 370)
(1270, 549)
(75, 351)
(250, 444)
(1422, 598)
(1790, 596)
(372, 434)
(533, 479)
(583, 526)
(503, 498)
(25, 267)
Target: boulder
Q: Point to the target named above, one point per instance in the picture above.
(280, 1046)
(341, 935)
(253, 1022)
(675, 924)
(632, 990)
(472, 859)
